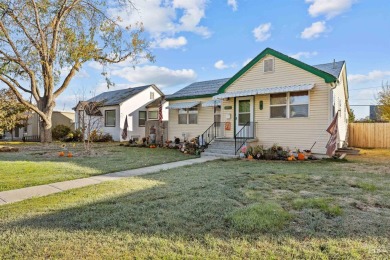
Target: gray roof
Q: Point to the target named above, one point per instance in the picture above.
(333, 68)
(211, 87)
(202, 88)
(112, 98)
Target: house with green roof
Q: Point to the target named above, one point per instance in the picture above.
(274, 99)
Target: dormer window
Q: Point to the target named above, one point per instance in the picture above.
(269, 65)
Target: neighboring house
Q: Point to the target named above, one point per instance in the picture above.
(31, 131)
(108, 111)
(274, 99)
(152, 111)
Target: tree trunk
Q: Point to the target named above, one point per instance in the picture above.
(45, 132)
(45, 123)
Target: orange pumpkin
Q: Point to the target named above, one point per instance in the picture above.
(250, 157)
(61, 154)
(301, 156)
(70, 154)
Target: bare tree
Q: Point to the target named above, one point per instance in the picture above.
(41, 38)
(89, 122)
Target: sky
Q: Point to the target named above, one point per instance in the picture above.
(195, 40)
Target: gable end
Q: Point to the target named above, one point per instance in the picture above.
(328, 78)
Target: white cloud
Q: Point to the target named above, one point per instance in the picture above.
(261, 32)
(161, 76)
(329, 8)
(314, 31)
(233, 4)
(304, 54)
(246, 62)
(221, 65)
(170, 43)
(165, 18)
(375, 75)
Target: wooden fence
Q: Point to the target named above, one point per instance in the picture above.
(369, 135)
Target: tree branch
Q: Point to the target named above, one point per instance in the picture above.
(67, 80)
(38, 24)
(21, 100)
(17, 84)
(34, 89)
(33, 42)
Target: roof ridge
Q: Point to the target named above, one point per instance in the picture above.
(329, 63)
(208, 80)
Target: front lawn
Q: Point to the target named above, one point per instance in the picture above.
(220, 209)
(37, 164)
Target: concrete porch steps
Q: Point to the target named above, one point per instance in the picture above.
(223, 148)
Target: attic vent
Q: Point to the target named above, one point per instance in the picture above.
(269, 65)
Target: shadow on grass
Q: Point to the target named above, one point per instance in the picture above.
(194, 202)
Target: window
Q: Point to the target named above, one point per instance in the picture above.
(151, 95)
(152, 115)
(182, 117)
(279, 105)
(289, 105)
(217, 114)
(141, 118)
(109, 118)
(299, 104)
(17, 132)
(188, 116)
(193, 115)
(269, 65)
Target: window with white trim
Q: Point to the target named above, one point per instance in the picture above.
(141, 118)
(299, 104)
(152, 115)
(278, 105)
(268, 65)
(109, 119)
(182, 116)
(188, 116)
(151, 95)
(289, 105)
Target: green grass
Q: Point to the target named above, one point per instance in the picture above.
(326, 205)
(221, 209)
(367, 186)
(259, 217)
(41, 165)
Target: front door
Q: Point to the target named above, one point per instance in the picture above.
(244, 116)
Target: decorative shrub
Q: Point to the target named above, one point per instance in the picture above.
(74, 136)
(60, 132)
(104, 138)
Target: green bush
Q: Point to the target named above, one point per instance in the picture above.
(74, 136)
(60, 132)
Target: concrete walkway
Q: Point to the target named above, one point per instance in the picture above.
(43, 190)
